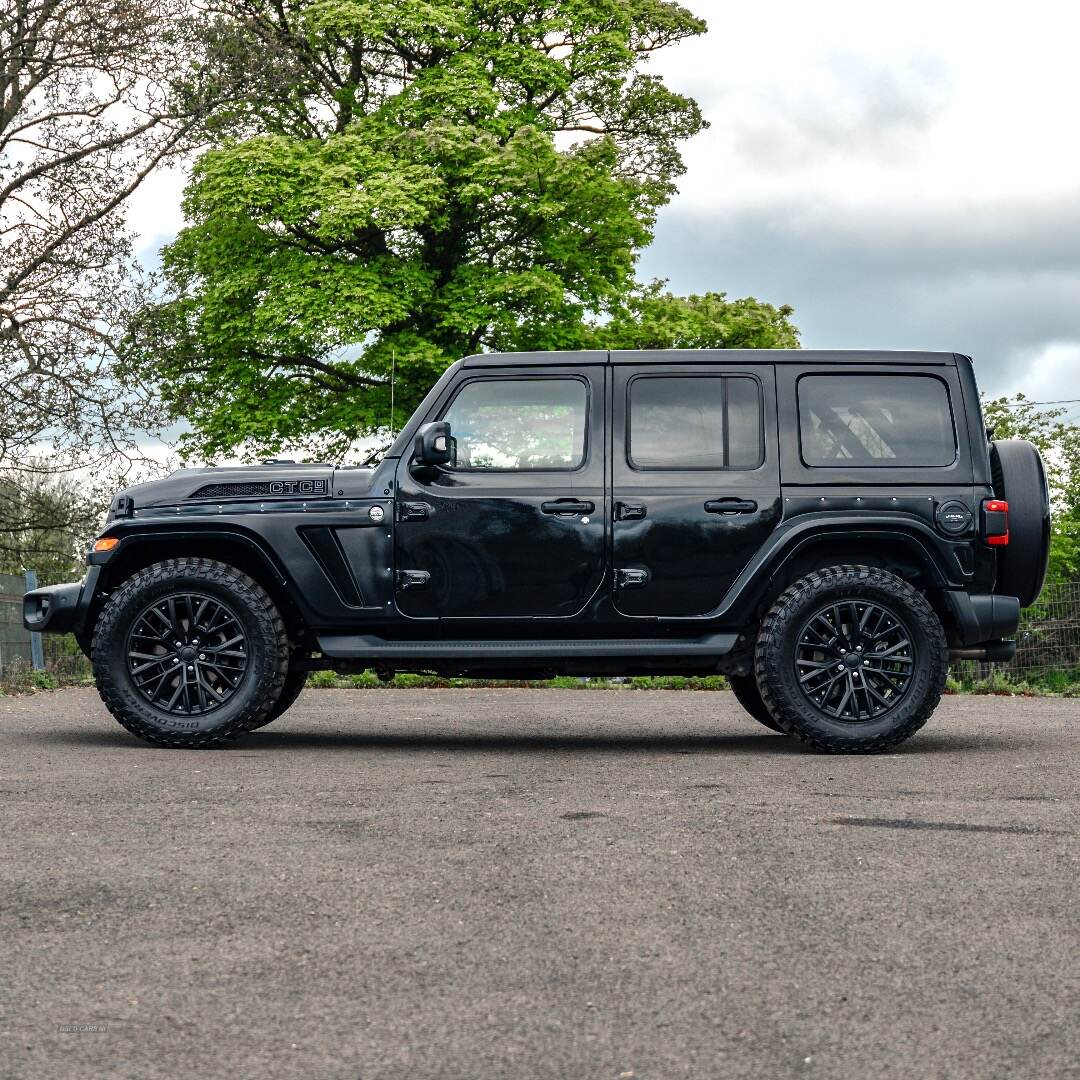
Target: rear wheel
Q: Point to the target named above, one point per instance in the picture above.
(747, 694)
(851, 659)
(189, 652)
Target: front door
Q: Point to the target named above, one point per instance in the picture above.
(514, 527)
(696, 481)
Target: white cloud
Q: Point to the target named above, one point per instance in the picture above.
(1047, 374)
(904, 175)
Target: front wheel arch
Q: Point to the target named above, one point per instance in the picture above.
(233, 548)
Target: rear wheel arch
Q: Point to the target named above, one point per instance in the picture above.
(899, 553)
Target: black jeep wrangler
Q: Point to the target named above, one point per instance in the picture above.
(827, 529)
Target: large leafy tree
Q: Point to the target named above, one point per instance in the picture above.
(404, 184)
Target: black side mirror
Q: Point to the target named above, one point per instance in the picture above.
(434, 446)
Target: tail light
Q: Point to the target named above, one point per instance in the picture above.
(995, 522)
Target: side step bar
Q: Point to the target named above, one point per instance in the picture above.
(370, 647)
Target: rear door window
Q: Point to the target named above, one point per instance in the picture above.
(695, 422)
(875, 420)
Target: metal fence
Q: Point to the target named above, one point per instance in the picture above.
(22, 652)
(1049, 639)
(16, 647)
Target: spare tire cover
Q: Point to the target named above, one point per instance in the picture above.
(1020, 479)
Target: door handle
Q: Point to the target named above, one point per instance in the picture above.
(410, 511)
(567, 506)
(730, 506)
(412, 579)
(629, 511)
(631, 578)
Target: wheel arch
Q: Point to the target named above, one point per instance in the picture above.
(233, 546)
(902, 551)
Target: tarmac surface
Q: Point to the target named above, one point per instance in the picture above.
(522, 885)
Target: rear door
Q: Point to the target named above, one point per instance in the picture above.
(695, 480)
(514, 527)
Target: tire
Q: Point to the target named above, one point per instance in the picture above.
(189, 652)
(295, 681)
(1020, 479)
(842, 689)
(747, 694)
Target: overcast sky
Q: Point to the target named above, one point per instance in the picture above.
(906, 176)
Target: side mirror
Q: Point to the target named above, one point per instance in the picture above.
(434, 446)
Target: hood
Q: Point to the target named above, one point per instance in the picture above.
(286, 481)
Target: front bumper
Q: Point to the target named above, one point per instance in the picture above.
(60, 609)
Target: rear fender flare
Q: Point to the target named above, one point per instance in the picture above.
(792, 538)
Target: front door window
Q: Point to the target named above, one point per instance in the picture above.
(520, 424)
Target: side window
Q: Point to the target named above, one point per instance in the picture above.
(519, 424)
(695, 422)
(898, 420)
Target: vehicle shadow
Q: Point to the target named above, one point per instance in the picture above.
(763, 744)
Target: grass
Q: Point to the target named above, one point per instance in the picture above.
(370, 681)
(1055, 683)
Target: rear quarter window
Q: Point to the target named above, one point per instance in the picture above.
(875, 420)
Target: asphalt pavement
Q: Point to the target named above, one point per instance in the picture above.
(524, 885)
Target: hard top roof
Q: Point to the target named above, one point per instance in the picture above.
(712, 356)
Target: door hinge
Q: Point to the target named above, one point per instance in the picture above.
(631, 579)
(410, 511)
(629, 511)
(412, 579)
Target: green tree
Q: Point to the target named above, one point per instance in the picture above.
(407, 183)
(1059, 443)
(652, 318)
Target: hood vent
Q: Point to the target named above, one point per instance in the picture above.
(263, 489)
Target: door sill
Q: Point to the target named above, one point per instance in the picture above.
(368, 646)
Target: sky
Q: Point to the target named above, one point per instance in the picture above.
(906, 176)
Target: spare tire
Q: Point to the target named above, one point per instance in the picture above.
(1020, 479)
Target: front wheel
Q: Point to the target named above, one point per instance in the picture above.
(189, 653)
(851, 659)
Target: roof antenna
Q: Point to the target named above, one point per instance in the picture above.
(393, 377)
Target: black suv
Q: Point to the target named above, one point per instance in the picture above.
(827, 529)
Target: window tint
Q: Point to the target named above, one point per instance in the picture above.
(897, 420)
(695, 422)
(519, 424)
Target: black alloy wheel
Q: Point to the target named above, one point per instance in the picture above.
(187, 653)
(854, 660)
(851, 659)
(190, 652)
